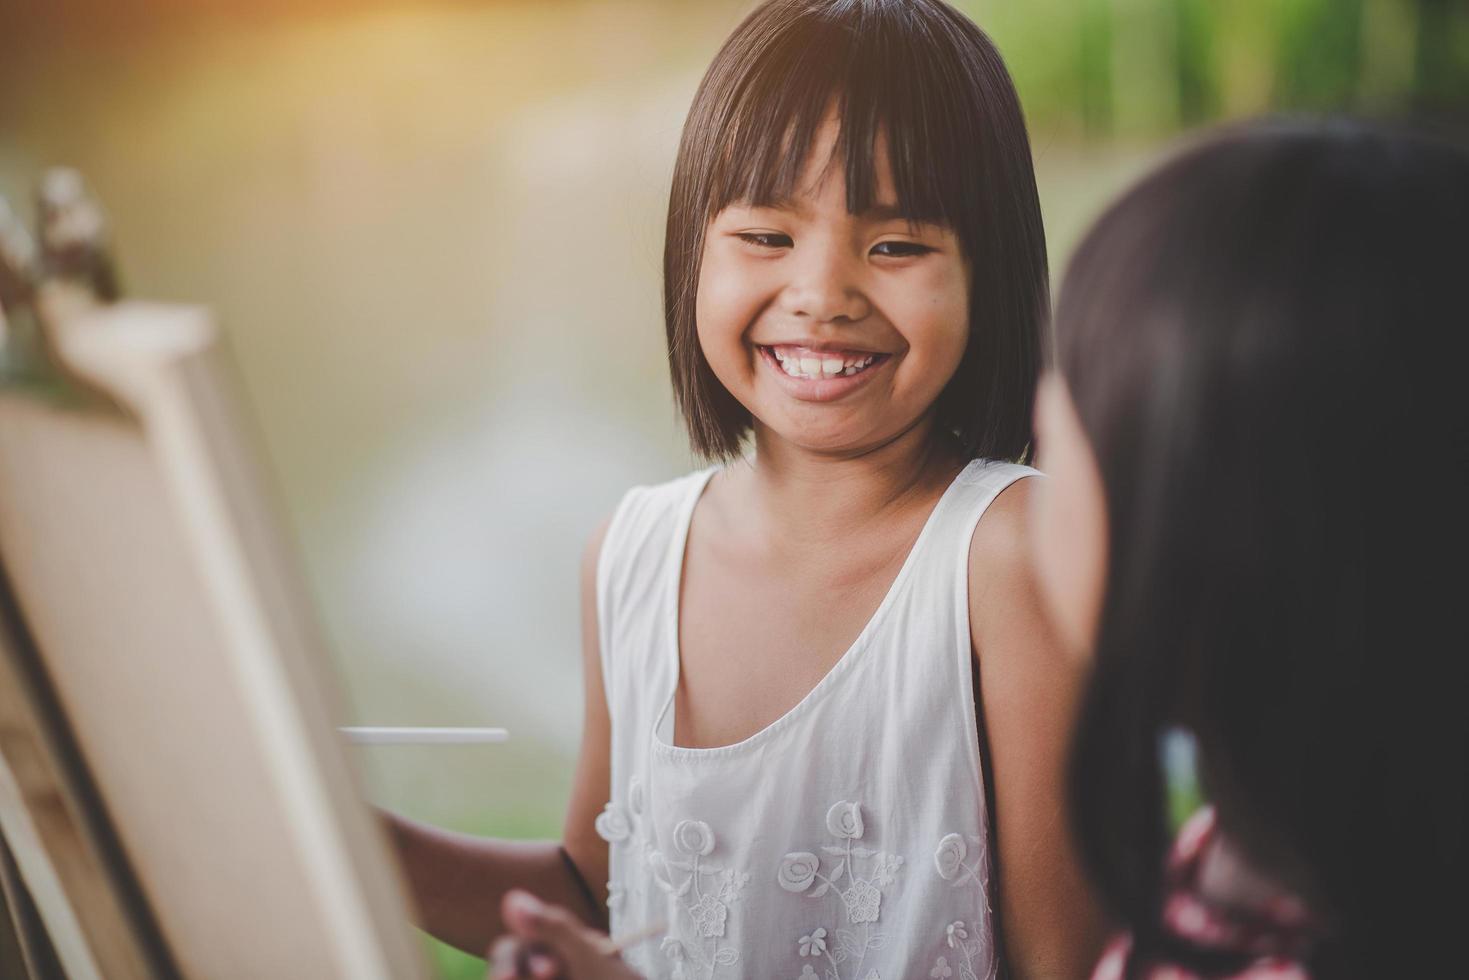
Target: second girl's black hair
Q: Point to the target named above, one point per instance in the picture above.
(1267, 342)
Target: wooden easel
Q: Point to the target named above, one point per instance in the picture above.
(172, 786)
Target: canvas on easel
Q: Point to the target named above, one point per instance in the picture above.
(180, 801)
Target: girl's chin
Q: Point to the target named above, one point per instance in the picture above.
(819, 437)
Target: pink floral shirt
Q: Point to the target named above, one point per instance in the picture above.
(1272, 934)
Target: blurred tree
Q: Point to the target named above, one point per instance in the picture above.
(1094, 67)
(1318, 55)
(1115, 69)
(1441, 57)
(1198, 69)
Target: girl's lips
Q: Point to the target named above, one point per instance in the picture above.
(825, 388)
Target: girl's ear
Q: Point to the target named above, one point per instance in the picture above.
(1069, 526)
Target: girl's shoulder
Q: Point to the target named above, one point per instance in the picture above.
(648, 505)
(645, 526)
(1001, 511)
(1002, 591)
(1003, 521)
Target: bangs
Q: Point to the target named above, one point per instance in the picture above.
(860, 59)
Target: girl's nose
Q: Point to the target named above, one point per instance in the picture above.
(825, 287)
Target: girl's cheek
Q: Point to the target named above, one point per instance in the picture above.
(723, 292)
(717, 321)
(940, 297)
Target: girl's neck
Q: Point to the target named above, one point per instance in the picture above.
(802, 495)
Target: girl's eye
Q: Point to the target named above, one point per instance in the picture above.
(900, 250)
(765, 239)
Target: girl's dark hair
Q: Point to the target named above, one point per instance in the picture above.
(934, 83)
(1266, 343)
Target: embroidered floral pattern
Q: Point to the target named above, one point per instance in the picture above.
(845, 820)
(700, 893)
(949, 860)
(956, 937)
(952, 862)
(887, 869)
(612, 824)
(673, 949)
(704, 893)
(863, 902)
(625, 827)
(857, 875)
(950, 856)
(708, 914)
(798, 870)
(693, 837)
(731, 884)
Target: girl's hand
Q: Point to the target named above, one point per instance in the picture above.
(546, 942)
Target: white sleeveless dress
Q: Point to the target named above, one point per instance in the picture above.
(848, 840)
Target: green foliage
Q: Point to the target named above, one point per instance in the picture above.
(1441, 55)
(1103, 69)
(1179, 755)
(447, 963)
(1318, 53)
(1197, 64)
(1094, 66)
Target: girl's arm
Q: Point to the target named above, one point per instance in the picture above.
(457, 880)
(1051, 924)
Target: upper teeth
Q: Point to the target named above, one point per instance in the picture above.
(808, 366)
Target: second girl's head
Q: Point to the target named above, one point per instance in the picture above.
(854, 243)
(1259, 448)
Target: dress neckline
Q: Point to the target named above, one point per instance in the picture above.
(844, 664)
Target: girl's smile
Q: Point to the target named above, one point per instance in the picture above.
(814, 372)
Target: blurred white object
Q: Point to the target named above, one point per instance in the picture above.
(424, 736)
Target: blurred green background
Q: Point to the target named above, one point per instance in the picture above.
(433, 233)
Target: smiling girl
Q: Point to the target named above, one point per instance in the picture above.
(826, 722)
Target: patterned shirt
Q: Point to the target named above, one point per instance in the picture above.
(1272, 936)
